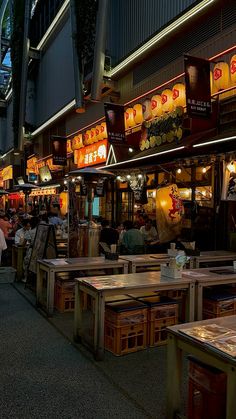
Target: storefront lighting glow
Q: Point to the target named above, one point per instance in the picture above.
(144, 157)
(204, 169)
(158, 37)
(179, 170)
(221, 140)
(118, 177)
(131, 150)
(140, 176)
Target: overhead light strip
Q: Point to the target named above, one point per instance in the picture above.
(5, 154)
(220, 140)
(53, 25)
(144, 157)
(170, 28)
(68, 107)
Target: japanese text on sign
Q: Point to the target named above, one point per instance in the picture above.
(91, 155)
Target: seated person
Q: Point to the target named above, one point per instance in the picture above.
(108, 234)
(23, 234)
(132, 240)
(149, 233)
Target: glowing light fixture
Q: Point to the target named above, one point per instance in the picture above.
(130, 150)
(128, 176)
(221, 140)
(204, 169)
(179, 170)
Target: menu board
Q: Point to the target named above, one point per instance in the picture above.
(44, 245)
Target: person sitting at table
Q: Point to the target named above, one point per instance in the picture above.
(132, 241)
(23, 234)
(54, 219)
(149, 232)
(108, 236)
(3, 245)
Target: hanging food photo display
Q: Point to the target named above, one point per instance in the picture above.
(137, 184)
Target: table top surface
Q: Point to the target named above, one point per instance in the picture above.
(217, 254)
(135, 280)
(145, 258)
(216, 336)
(83, 261)
(210, 274)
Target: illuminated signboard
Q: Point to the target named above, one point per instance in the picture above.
(7, 173)
(91, 155)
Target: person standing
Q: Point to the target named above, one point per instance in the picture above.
(3, 245)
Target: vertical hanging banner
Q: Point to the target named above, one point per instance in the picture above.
(115, 121)
(198, 90)
(59, 150)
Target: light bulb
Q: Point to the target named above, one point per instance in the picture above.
(131, 150)
(118, 177)
(179, 170)
(73, 180)
(128, 176)
(65, 182)
(204, 170)
(140, 176)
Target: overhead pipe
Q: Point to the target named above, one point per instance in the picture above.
(99, 50)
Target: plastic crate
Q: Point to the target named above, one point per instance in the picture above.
(162, 312)
(125, 313)
(7, 274)
(218, 305)
(206, 391)
(64, 298)
(126, 339)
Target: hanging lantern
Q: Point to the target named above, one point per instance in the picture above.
(129, 115)
(233, 69)
(69, 146)
(93, 135)
(98, 132)
(63, 200)
(147, 109)
(179, 96)
(87, 137)
(138, 113)
(77, 142)
(167, 100)
(221, 76)
(212, 84)
(156, 105)
(103, 130)
(169, 212)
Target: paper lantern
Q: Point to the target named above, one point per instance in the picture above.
(156, 105)
(169, 212)
(69, 146)
(87, 137)
(103, 130)
(167, 100)
(129, 115)
(138, 113)
(233, 69)
(77, 142)
(93, 135)
(212, 84)
(63, 200)
(179, 95)
(221, 76)
(98, 132)
(147, 109)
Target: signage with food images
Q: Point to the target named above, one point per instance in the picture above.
(115, 122)
(91, 155)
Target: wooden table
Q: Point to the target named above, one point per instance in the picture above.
(18, 254)
(53, 266)
(214, 256)
(205, 278)
(179, 342)
(145, 261)
(100, 288)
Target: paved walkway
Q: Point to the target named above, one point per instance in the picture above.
(43, 376)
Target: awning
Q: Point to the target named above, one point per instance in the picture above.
(200, 144)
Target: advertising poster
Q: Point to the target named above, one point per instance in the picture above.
(59, 150)
(198, 90)
(114, 115)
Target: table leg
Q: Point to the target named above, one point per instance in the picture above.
(50, 291)
(99, 354)
(231, 392)
(191, 302)
(199, 301)
(126, 268)
(78, 314)
(174, 368)
(39, 285)
(133, 268)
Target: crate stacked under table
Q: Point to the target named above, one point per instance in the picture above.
(219, 303)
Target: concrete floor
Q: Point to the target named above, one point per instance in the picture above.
(43, 375)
